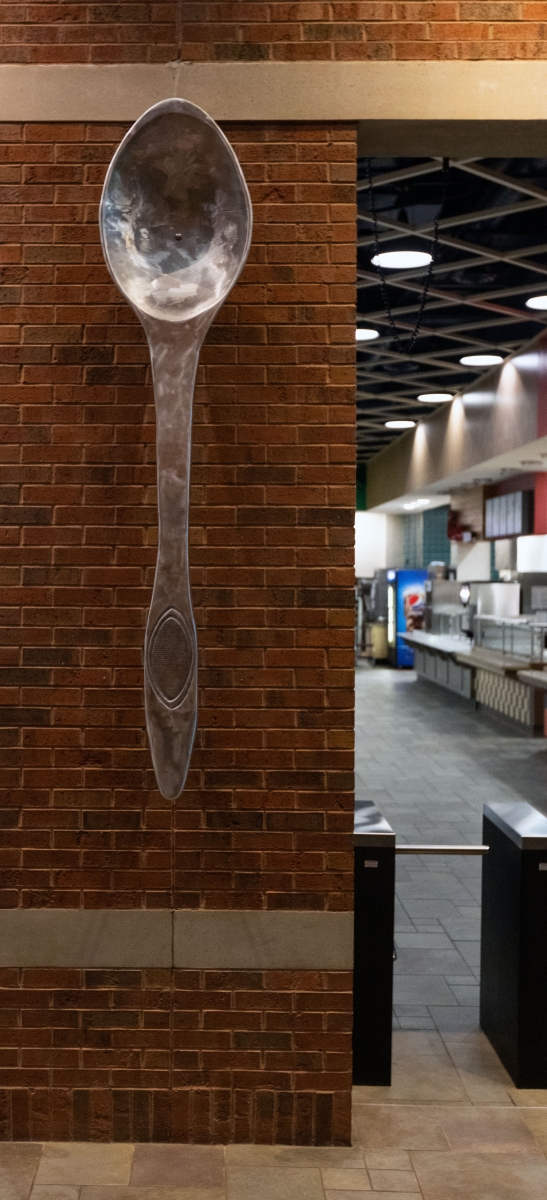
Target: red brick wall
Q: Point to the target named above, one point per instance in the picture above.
(60, 31)
(245, 1056)
(306, 30)
(267, 814)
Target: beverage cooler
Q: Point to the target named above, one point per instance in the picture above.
(405, 612)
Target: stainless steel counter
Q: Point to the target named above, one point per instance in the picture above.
(439, 641)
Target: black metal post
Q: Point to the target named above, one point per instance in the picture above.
(514, 940)
(374, 858)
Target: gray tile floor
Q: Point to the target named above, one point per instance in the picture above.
(430, 762)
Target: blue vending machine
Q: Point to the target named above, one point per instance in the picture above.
(405, 612)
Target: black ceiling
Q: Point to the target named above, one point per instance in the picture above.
(491, 256)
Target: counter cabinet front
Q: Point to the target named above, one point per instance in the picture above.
(494, 681)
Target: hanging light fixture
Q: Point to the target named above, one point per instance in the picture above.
(396, 260)
(539, 302)
(410, 259)
(366, 335)
(481, 360)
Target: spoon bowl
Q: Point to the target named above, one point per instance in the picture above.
(176, 222)
(175, 214)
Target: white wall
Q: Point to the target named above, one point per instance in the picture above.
(471, 559)
(532, 552)
(378, 543)
(394, 541)
(370, 543)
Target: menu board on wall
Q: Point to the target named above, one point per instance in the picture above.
(510, 515)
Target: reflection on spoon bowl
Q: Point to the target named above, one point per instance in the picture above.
(175, 214)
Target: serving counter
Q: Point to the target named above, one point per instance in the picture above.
(504, 683)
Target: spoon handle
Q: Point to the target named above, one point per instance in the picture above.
(170, 648)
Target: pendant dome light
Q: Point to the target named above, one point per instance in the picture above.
(411, 259)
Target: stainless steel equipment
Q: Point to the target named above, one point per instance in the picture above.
(496, 599)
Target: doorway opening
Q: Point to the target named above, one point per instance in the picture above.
(451, 531)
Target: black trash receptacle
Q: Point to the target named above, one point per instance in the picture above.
(374, 858)
(514, 940)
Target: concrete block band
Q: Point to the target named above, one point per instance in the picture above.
(473, 91)
(197, 939)
(264, 940)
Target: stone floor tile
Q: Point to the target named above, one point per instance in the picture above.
(340, 1158)
(409, 939)
(482, 1090)
(275, 1183)
(150, 1193)
(84, 1162)
(348, 1195)
(414, 1044)
(397, 1127)
(446, 1018)
(464, 1176)
(421, 989)
(388, 1160)
(489, 1130)
(467, 995)
(54, 1193)
(370, 1195)
(425, 1079)
(18, 1164)
(177, 1166)
(470, 952)
(430, 960)
(345, 1181)
(528, 1097)
(394, 1181)
(472, 1052)
(18, 1153)
(410, 1022)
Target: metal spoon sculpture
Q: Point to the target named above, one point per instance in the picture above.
(175, 221)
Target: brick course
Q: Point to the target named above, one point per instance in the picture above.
(252, 30)
(266, 818)
(205, 1057)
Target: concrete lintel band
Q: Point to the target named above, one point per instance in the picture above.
(293, 91)
(194, 939)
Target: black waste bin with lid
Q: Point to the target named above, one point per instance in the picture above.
(513, 1005)
(374, 860)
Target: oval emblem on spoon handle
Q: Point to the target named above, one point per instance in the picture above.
(175, 222)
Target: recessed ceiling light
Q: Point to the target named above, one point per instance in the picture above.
(481, 360)
(396, 260)
(366, 335)
(399, 424)
(435, 397)
(416, 504)
(537, 302)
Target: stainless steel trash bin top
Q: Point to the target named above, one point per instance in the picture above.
(513, 1003)
(374, 863)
